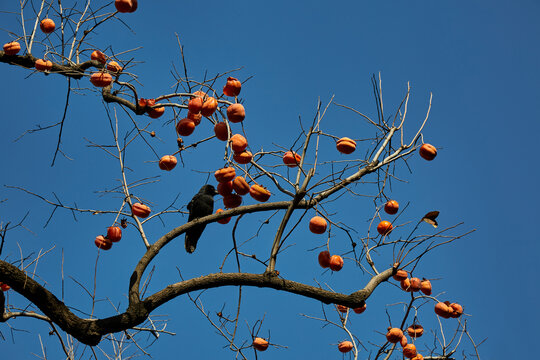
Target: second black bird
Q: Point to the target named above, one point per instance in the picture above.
(201, 205)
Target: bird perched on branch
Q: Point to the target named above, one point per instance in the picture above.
(201, 205)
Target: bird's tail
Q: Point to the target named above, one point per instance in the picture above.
(191, 244)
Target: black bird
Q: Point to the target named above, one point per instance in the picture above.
(201, 205)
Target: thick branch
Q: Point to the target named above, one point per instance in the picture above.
(73, 71)
(266, 280)
(90, 331)
(29, 60)
(49, 304)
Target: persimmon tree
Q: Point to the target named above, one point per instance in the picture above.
(269, 194)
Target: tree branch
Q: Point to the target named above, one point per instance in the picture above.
(90, 331)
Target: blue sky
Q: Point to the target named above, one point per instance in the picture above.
(481, 64)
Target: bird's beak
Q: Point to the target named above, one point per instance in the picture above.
(216, 192)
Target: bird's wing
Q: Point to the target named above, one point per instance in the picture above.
(201, 205)
(191, 207)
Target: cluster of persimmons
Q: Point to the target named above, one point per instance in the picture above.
(396, 335)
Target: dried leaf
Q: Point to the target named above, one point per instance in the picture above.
(430, 218)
